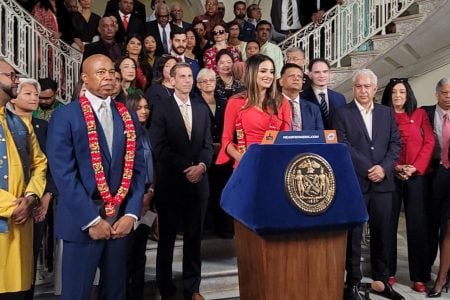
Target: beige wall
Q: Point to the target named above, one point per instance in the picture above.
(424, 87)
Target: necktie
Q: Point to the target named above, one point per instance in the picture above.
(107, 124)
(296, 122)
(125, 22)
(164, 40)
(186, 119)
(290, 13)
(445, 141)
(323, 105)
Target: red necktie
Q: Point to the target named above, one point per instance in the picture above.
(445, 141)
(125, 22)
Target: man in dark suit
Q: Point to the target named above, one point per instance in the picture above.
(178, 40)
(305, 115)
(161, 28)
(128, 21)
(139, 8)
(247, 31)
(176, 15)
(370, 132)
(284, 22)
(319, 93)
(440, 175)
(107, 45)
(98, 202)
(181, 139)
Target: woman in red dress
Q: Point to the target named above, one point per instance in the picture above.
(250, 114)
(417, 142)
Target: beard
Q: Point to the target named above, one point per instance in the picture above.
(10, 90)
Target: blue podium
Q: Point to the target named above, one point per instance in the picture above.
(285, 249)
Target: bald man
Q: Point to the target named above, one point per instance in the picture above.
(97, 206)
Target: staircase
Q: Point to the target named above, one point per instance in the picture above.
(415, 42)
(31, 49)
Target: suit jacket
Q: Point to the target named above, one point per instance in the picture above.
(184, 25)
(40, 129)
(71, 166)
(430, 109)
(135, 26)
(152, 28)
(335, 100)
(100, 47)
(194, 66)
(173, 151)
(304, 10)
(112, 6)
(311, 116)
(383, 149)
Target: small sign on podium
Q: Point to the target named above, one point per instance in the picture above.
(299, 137)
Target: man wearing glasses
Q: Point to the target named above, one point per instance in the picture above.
(22, 183)
(160, 29)
(297, 56)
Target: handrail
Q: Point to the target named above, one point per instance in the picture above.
(34, 52)
(345, 27)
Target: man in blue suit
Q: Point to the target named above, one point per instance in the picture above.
(319, 93)
(305, 115)
(370, 132)
(93, 228)
(178, 40)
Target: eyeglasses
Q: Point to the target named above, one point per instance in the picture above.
(399, 80)
(12, 75)
(162, 16)
(218, 32)
(206, 81)
(294, 59)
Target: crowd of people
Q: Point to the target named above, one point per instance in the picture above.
(163, 112)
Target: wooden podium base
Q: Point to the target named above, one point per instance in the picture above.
(300, 266)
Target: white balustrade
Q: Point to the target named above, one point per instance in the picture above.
(345, 27)
(34, 52)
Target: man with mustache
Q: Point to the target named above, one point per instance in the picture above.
(178, 41)
(22, 183)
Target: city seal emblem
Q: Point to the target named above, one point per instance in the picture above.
(310, 183)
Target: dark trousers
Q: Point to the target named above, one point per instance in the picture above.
(218, 176)
(435, 208)
(379, 207)
(80, 262)
(136, 263)
(185, 203)
(14, 296)
(413, 193)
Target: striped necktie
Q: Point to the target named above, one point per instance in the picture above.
(323, 105)
(290, 14)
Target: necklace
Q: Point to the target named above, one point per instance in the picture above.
(94, 147)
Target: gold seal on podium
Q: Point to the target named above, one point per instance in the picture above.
(310, 183)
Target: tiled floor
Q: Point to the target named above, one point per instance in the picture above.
(219, 259)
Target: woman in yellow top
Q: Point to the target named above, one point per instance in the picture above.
(17, 197)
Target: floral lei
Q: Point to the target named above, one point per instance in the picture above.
(102, 185)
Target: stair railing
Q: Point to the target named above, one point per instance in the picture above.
(345, 27)
(34, 52)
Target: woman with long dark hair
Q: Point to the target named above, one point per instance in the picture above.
(161, 86)
(250, 114)
(417, 142)
(134, 48)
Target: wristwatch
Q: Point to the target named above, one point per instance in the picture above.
(36, 199)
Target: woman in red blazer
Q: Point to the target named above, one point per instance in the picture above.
(417, 141)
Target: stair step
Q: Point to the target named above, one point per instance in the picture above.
(339, 75)
(407, 24)
(385, 41)
(361, 59)
(426, 6)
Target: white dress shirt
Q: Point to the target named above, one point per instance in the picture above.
(367, 116)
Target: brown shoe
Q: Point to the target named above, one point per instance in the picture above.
(197, 296)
